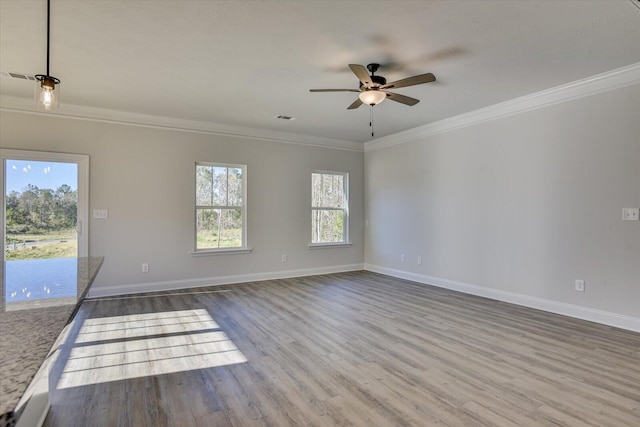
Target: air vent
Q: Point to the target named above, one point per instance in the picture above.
(18, 76)
(286, 117)
(636, 3)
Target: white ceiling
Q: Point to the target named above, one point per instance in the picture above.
(242, 63)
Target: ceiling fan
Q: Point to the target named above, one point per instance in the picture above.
(375, 89)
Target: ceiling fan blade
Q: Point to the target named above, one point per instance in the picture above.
(333, 90)
(355, 104)
(361, 73)
(407, 100)
(411, 81)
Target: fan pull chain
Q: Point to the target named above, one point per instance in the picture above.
(371, 120)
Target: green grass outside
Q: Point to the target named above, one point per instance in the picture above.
(228, 239)
(64, 246)
(66, 249)
(54, 235)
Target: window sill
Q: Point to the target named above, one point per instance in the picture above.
(329, 245)
(209, 252)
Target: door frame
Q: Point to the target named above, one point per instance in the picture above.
(82, 160)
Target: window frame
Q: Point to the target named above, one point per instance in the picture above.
(244, 248)
(345, 209)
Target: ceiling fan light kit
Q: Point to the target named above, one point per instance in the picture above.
(47, 89)
(372, 96)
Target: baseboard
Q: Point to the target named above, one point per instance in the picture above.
(137, 288)
(603, 317)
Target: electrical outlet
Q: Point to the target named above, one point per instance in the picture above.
(402, 258)
(145, 268)
(284, 258)
(631, 214)
(419, 260)
(580, 285)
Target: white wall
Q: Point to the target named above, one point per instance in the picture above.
(518, 207)
(145, 178)
(514, 208)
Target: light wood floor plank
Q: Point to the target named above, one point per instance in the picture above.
(349, 349)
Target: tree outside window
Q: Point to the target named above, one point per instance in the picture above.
(329, 208)
(220, 206)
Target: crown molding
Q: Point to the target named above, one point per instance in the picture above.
(76, 112)
(607, 81)
(604, 82)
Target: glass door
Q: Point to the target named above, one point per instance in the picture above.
(43, 233)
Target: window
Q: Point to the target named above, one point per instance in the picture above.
(220, 207)
(329, 208)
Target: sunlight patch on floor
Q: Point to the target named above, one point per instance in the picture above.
(137, 325)
(177, 341)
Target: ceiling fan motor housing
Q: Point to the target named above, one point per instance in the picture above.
(377, 81)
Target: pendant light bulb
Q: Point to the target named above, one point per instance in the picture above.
(47, 98)
(47, 93)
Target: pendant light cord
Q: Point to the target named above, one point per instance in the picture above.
(48, 23)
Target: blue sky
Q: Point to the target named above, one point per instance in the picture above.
(51, 175)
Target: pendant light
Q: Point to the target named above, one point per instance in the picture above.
(47, 90)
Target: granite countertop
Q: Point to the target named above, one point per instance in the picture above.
(29, 328)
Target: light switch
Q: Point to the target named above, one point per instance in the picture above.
(631, 214)
(100, 214)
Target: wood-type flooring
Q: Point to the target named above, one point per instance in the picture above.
(344, 349)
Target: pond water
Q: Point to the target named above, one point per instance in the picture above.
(28, 280)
